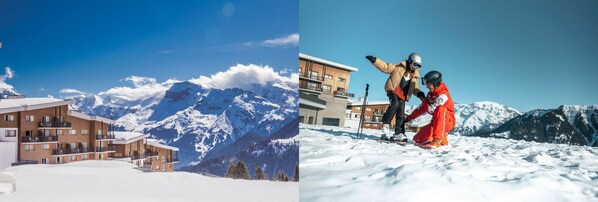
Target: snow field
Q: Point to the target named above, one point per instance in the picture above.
(335, 166)
(102, 181)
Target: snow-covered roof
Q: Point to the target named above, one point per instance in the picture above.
(89, 117)
(156, 143)
(126, 137)
(327, 62)
(369, 103)
(26, 104)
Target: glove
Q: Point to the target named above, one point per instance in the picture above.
(421, 95)
(406, 120)
(372, 59)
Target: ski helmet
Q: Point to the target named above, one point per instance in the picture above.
(432, 77)
(415, 59)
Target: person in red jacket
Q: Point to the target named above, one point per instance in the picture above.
(439, 104)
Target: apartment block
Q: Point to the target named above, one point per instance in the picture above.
(323, 90)
(45, 131)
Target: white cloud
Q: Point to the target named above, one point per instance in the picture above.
(244, 77)
(9, 74)
(143, 87)
(42, 89)
(290, 40)
(70, 91)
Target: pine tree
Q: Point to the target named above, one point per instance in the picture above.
(230, 172)
(296, 175)
(259, 174)
(242, 172)
(281, 176)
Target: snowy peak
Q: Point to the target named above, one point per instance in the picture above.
(568, 124)
(481, 116)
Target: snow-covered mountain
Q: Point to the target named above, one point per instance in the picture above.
(568, 124)
(481, 116)
(280, 151)
(474, 117)
(202, 120)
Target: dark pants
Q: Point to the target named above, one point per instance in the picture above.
(396, 109)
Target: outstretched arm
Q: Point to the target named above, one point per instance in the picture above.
(423, 108)
(381, 65)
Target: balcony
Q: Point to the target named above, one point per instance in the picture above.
(54, 124)
(151, 153)
(342, 93)
(106, 149)
(174, 160)
(29, 139)
(313, 89)
(72, 151)
(138, 156)
(312, 78)
(105, 137)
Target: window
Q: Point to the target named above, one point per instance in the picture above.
(58, 160)
(84, 132)
(10, 133)
(58, 132)
(367, 124)
(73, 158)
(29, 118)
(342, 80)
(46, 119)
(28, 147)
(301, 119)
(84, 144)
(327, 88)
(313, 74)
(368, 109)
(357, 108)
(9, 117)
(163, 159)
(312, 86)
(73, 145)
(45, 160)
(45, 146)
(331, 121)
(163, 168)
(73, 132)
(99, 132)
(300, 70)
(310, 120)
(328, 76)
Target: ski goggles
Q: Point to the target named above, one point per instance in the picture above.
(417, 66)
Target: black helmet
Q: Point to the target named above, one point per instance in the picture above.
(433, 77)
(415, 59)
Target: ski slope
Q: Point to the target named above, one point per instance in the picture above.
(336, 166)
(103, 181)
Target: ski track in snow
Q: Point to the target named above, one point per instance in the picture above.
(336, 166)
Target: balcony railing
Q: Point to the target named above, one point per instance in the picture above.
(174, 159)
(151, 153)
(105, 137)
(341, 93)
(372, 121)
(138, 156)
(72, 151)
(312, 88)
(313, 78)
(29, 139)
(54, 124)
(105, 149)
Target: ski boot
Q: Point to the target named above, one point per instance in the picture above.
(385, 132)
(432, 144)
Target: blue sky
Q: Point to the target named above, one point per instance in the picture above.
(525, 54)
(93, 45)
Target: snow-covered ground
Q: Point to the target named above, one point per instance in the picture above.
(336, 166)
(117, 181)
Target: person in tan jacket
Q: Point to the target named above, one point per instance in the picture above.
(400, 85)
